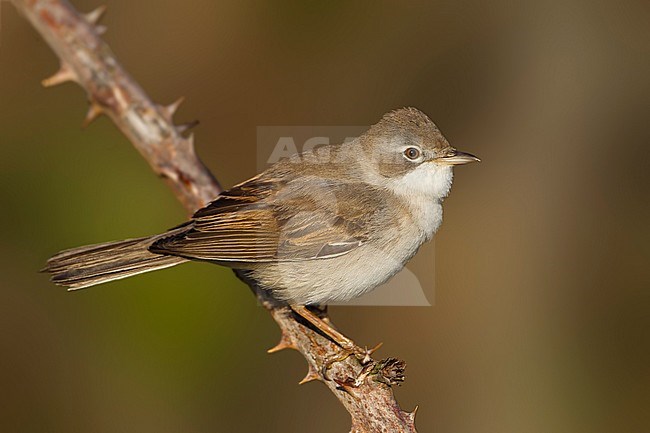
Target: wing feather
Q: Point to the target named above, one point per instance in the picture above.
(265, 220)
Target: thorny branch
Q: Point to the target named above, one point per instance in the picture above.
(87, 60)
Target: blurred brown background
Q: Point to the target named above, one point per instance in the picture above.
(542, 310)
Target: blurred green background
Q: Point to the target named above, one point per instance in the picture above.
(542, 309)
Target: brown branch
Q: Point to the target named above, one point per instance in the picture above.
(87, 60)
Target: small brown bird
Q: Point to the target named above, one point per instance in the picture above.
(326, 225)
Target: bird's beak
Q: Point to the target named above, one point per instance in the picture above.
(457, 158)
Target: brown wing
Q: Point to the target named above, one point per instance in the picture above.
(266, 220)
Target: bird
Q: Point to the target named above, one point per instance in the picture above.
(325, 225)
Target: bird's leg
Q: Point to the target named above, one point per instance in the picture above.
(321, 312)
(348, 346)
(325, 327)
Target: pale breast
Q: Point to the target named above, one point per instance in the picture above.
(357, 272)
(336, 279)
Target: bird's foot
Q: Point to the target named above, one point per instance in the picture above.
(363, 355)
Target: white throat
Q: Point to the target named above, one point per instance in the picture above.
(424, 189)
(428, 180)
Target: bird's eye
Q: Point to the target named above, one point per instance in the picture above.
(412, 153)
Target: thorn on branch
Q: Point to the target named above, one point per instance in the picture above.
(412, 414)
(65, 73)
(312, 374)
(170, 109)
(187, 144)
(94, 16)
(184, 127)
(93, 113)
(285, 343)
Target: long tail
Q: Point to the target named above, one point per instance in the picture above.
(95, 264)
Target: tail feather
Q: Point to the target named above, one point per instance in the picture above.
(95, 264)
